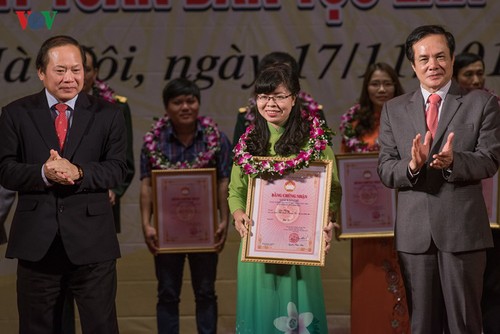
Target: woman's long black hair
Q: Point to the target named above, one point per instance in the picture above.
(367, 121)
(296, 131)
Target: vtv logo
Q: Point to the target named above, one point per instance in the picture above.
(36, 20)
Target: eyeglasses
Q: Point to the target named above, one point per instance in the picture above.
(277, 99)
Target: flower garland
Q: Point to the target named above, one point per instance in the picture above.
(320, 138)
(349, 135)
(306, 100)
(104, 91)
(158, 160)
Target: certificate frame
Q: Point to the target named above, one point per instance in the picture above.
(368, 208)
(490, 194)
(188, 221)
(288, 215)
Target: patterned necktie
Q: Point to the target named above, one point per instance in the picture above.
(431, 115)
(61, 123)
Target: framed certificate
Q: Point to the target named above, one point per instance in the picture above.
(185, 209)
(288, 216)
(368, 208)
(490, 194)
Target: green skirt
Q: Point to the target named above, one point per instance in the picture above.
(275, 298)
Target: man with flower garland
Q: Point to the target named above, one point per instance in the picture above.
(184, 140)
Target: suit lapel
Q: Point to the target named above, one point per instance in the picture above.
(416, 114)
(450, 107)
(82, 115)
(40, 114)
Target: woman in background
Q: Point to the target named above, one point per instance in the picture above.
(378, 303)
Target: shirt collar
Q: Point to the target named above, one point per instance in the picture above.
(169, 130)
(441, 92)
(279, 130)
(52, 100)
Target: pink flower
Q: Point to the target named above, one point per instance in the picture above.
(304, 155)
(266, 164)
(205, 121)
(320, 145)
(249, 169)
(241, 160)
(318, 132)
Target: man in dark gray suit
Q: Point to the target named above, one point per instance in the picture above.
(7, 198)
(442, 226)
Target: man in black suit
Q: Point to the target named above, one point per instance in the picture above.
(63, 233)
(7, 198)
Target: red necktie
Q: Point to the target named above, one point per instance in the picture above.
(431, 115)
(61, 123)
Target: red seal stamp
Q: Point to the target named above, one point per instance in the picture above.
(293, 238)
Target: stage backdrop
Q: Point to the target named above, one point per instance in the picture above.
(142, 44)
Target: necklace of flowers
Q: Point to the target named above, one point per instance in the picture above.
(104, 91)
(319, 138)
(306, 99)
(349, 135)
(158, 160)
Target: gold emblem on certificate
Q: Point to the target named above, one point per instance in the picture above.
(287, 211)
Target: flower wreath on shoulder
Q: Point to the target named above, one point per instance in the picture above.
(104, 91)
(158, 160)
(349, 135)
(320, 137)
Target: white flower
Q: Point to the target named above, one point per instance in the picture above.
(295, 323)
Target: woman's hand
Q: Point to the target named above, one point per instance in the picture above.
(241, 222)
(329, 230)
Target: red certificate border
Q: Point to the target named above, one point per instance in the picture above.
(209, 225)
(317, 258)
(344, 161)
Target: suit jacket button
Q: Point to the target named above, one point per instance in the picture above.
(61, 208)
